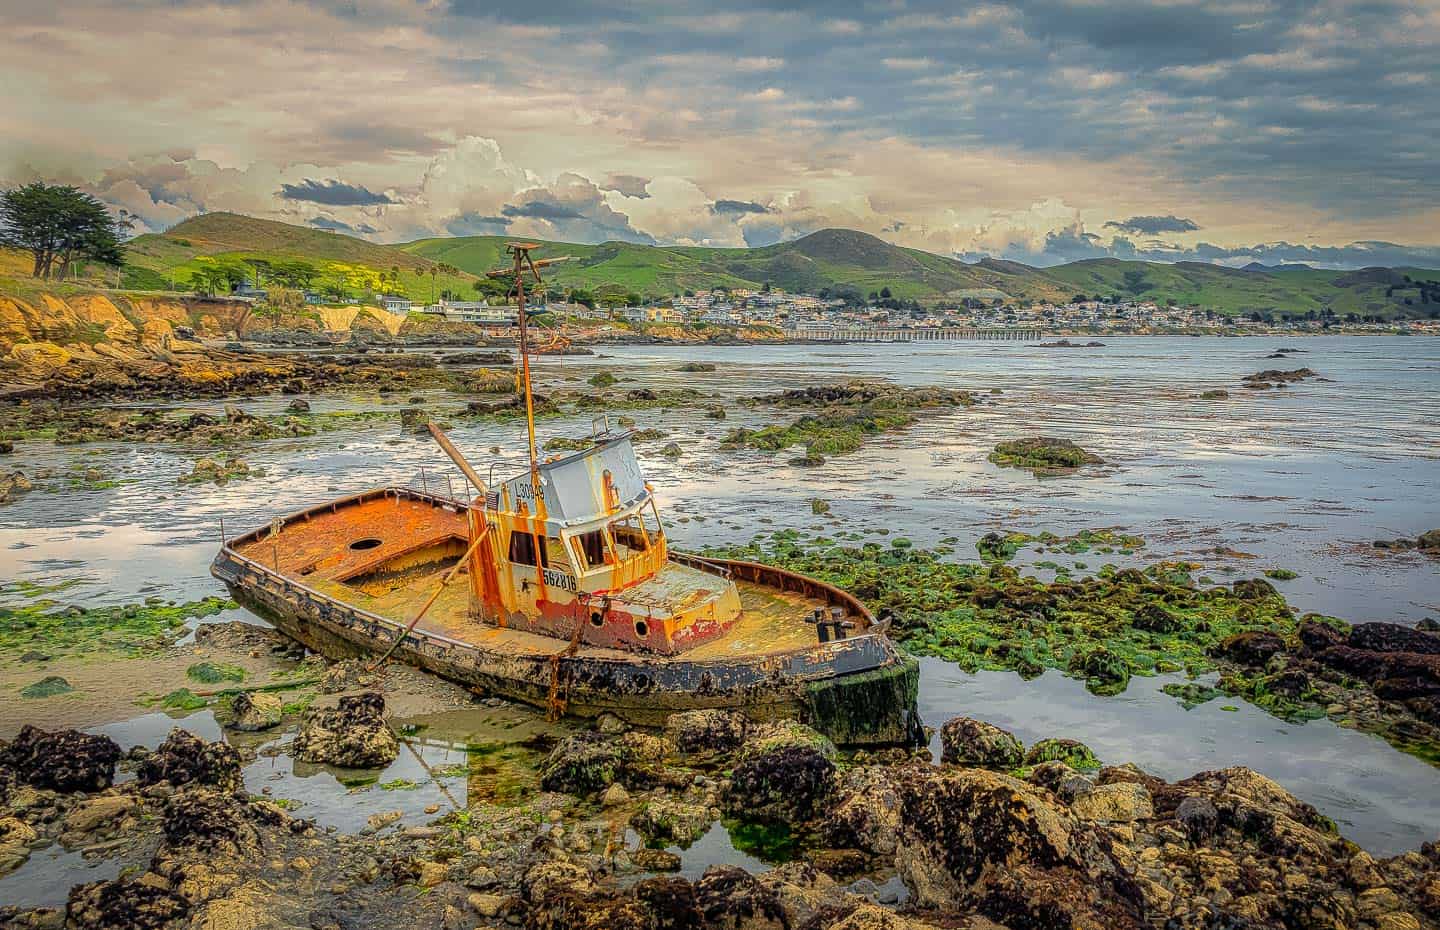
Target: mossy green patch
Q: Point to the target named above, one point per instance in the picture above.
(1120, 623)
(1281, 574)
(49, 686)
(1191, 694)
(30, 619)
(1043, 455)
(212, 673)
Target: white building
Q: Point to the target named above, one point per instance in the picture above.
(476, 311)
(397, 305)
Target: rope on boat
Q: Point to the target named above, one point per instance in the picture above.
(449, 576)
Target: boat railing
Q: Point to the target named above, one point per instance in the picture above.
(330, 605)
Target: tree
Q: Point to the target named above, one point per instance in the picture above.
(57, 225)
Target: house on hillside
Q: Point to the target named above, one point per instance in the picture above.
(399, 306)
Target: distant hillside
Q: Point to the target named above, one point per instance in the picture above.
(1295, 289)
(177, 253)
(828, 259)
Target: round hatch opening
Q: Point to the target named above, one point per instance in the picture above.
(642, 629)
(369, 542)
(596, 618)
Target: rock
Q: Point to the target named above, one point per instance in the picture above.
(962, 827)
(63, 760)
(431, 874)
(1199, 817)
(581, 764)
(1043, 455)
(1254, 589)
(185, 759)
(615, 796)
(1215, 395)
(819, 506)
(1428, 625)
(732, 899)
(49, 686)
(788, 783)
(1252, 648)
(348, 675)
(253, 711)
(13, 485)
(666, 819)
(6, 447)
(353, 735)
(970, 742)
(1392, 637)
(111, 905)
(655, 860)
(865, 812)
(98, 812)
(1118, 802)
(200, 821)
(672, 450)
(610, 724)
(486, 905)
(763, 738)
(715, 412)
(697, 366)
(377, 822)
(298, 405)
(1071, 752)
(1104, 672)
(700, 731)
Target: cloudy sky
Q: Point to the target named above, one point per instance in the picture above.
(1038, 130)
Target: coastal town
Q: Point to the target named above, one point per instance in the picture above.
(824, 318)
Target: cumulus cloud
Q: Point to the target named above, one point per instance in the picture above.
(631, 185)
(333, 193)
(1153, 225)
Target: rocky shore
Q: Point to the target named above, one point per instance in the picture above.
(994, 836)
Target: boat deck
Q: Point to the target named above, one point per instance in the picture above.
(405, 546)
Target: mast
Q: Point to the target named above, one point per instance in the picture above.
(520, 253)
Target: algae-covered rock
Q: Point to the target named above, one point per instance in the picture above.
(1105, 673)
(819, 505)
(352, 735)
(668, 819)
(712, 730)
(63, 760)
(970, 742)
(49, 686)
(777, 734)
(213, 673)
(581, 764)
(1044, 455)
(1252, 648)
(1069, 751)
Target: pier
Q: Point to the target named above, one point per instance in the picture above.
(929, 334)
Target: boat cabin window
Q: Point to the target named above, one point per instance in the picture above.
(629, 536)
(555, 555)
(522, 549)
(591, 548)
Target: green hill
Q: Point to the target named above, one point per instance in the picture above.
(1290, 289)
(833, 259)
(354, 265)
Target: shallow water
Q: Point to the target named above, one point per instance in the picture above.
(1301, 478)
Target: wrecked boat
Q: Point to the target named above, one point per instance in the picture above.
(557, 587)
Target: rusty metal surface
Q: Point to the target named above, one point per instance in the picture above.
(591, 679)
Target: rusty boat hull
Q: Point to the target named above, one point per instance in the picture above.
(860, 689)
